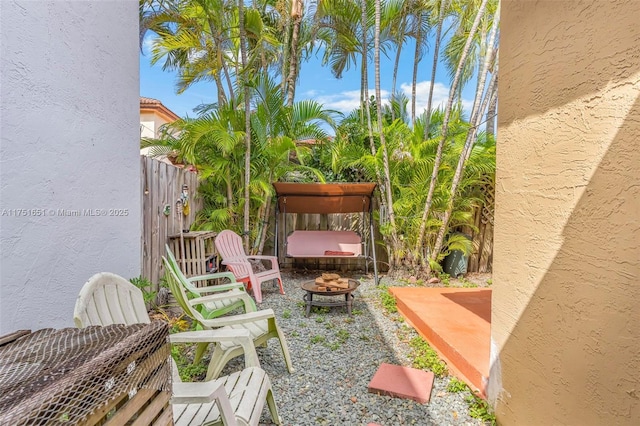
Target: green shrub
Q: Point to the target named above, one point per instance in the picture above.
(456, 385)
(343, 335)
(480, 409)
(146, 286)
(445, 278)
(188, 371)
(317, 339)
(388, 300)
(425, 358)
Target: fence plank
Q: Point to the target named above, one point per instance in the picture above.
(162, 186)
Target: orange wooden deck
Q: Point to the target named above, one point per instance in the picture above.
(457, 324)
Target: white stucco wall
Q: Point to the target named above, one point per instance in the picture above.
(69, 129)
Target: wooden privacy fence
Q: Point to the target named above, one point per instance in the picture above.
(482, 257)
(161, 189)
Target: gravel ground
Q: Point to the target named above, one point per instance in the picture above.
(335, 356)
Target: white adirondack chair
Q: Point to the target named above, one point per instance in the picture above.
(236, 399)
(229, 245)
(261, 324)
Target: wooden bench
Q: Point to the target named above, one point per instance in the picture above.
(324, 244)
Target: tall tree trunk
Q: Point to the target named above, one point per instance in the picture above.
(296, 16)
(285, 53)
(434, 67)
(364, 74)
(265, 226)
(491, 113)
(416, 60)
(396, 64)
(365, 90)
(479, 106)
(222, 98)
(227, 77)
(383, 145)
(230, 202)
(247, 124)
(445, 124)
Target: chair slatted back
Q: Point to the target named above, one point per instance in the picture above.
(107, 299)
(229, 245)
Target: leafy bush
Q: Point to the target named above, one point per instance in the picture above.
(456, 385)
(388, 300)
(425, 358)
(188, 371)
(480, 409)
(146, 286)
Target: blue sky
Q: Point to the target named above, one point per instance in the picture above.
(316, 82)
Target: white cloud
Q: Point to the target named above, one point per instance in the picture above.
(440, 96)
(147, 44)
(347, 101)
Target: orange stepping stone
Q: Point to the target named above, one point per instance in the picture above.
(402, 382)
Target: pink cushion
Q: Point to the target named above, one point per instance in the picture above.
(318, 243)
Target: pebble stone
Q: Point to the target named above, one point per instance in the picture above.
(335, 356)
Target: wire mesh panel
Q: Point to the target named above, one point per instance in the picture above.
(86, 376)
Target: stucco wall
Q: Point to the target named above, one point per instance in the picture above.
(69, 141)
(150, 123)
(566, 298)
(147, 125)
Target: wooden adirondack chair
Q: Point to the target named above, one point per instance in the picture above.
(233, 289)
(229, 245)
(261, 324)
(236, 399)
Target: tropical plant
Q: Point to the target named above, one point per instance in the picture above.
(245, 141)
(215, 142)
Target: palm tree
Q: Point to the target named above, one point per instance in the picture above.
(383, 146)
(193, 37)
(479, 107)
(443, 137)
(296, 17)
(398, 36)
(276, 127)
(247, 123)
(436, 52)
(419, 29)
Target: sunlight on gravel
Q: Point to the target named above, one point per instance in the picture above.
(335, 356)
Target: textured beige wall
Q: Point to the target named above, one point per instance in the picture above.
(566, 300)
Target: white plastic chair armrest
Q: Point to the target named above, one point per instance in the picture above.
(204, 393)
(241, 337)
(197, 392)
